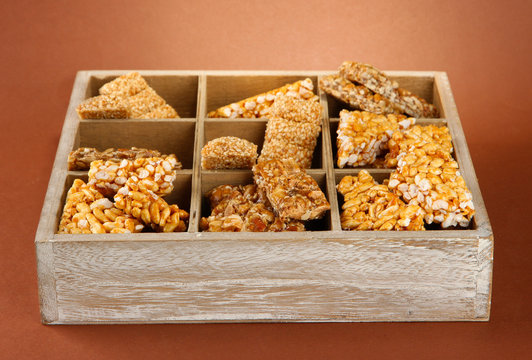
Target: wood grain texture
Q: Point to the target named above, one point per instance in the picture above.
(325, 275)
(266, 280)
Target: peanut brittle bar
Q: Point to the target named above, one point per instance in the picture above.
(362, 136)
(358, 96)
(291, 191)
(81, 158)
(370, 206)
(87, 211)
(258, 106)
(240, 208)
(228, 152)
(137, 200)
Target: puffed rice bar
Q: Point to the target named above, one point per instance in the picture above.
(137, 200)
(370, 206)
(104, 107)
(428, 176)
(126, 85)
(240, 208)
(228, 152)
(358, 96)
(156, 174)
(291, 191)
(298, 110)
(375, 80)
(86, 211)
(362, 136)
(434, 140)
(258, 106)
(81, 158)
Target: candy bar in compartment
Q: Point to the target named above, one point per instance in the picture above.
(243, 179)
(179, 91)
(165, 136)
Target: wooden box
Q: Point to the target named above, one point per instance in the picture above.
(325, 274)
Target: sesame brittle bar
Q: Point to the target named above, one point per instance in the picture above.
(371, 206)
(104, 107)
(362, 136)
(258, 106)
(291, 191)
(358, 96)
(228, 152)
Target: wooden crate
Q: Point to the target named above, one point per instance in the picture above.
(321, 275)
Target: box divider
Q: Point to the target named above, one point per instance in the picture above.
(327, 161)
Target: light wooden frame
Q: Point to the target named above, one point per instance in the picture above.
(322, 275)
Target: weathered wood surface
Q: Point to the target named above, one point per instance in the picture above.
(327, 275)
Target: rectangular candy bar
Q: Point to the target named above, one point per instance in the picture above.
(81, 158)
(362, 136)
(258, 106)
(370, 206)
(228, 152)
(292, 193)
(358, 97)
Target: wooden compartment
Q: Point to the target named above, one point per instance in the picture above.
(323, 274)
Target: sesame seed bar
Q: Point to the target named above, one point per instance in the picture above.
(362, 136)
(291, 191)
(370, 206)
(241, 208)
(292, 131)
(126, 85)
(104, 107)
(144, 102)
(162, 112)
(139, 201)
(128, 96)
(428, 176)
(358, 96)
(87, 211)
(228, 152)
(81, 158)
(258, 106)
(378, 82)
(156, 174)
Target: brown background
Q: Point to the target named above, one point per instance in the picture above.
(484, 46)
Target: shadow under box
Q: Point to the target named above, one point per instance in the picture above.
(244, 177)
